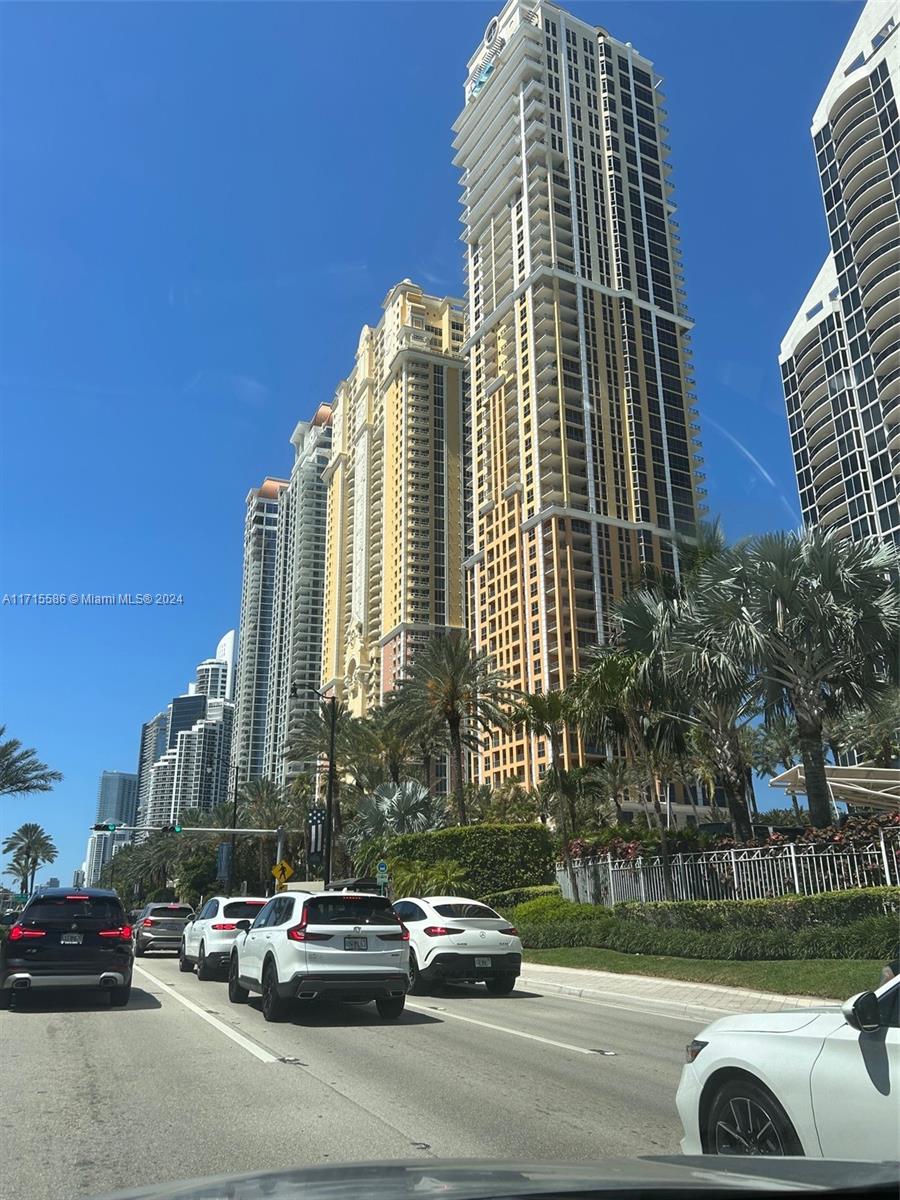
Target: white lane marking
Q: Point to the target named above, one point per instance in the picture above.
(532, 1037)
(244, 1042)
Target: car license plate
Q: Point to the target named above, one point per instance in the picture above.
(71, 939)
(482, 962)
(356, 943)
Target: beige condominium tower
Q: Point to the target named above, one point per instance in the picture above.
(396, 514)
(585, 440)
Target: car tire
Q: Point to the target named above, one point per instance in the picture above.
(500, 985)
(237, 994)
(417, 985)
(204, 971)
(390, 1007)
(184, 963)
(745, 1119)
(274, 1007)
(139, 948)
(5, 998)
(119, 996)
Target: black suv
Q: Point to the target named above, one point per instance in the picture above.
(66, 937)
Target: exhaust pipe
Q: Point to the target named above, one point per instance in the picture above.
(108, 981)
(307, 995)
(22, 984)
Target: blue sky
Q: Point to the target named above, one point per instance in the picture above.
(201, 205)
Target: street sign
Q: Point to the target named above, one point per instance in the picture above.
(382, 870)
(282, 871)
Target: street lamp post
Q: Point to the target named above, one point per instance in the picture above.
(329, 788)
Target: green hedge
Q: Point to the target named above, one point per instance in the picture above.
(494, 857)
(870, 938)
(782, 912)
(514, 896)
(555, 908)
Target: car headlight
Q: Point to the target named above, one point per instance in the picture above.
(693, 1049)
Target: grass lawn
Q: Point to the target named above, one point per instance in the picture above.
(834, 977)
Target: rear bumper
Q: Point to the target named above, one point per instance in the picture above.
(449, 965)
(361, 985)
(158, 941)
(17, 979)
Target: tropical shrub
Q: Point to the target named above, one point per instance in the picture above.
(492, 857)
(514, 896)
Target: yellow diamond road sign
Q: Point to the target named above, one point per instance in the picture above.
(282, 871)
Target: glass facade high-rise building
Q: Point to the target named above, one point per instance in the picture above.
(255, 633)
(298, 603)
(585, 441)
(840, 359)
(117, 797)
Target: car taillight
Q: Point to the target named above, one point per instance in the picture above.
(694, 1048)
(147, 921)
(123, 933)
(510, 931)
(299, 933)
(18, 932)
(225, 925)
(441, 930)
(402, 936)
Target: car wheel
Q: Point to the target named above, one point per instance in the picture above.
(204, 971)
(416, 982)
(139, 948)
(119, 996)
(5, 997)
(500, 985)
(273, 1006)
(184, 963)
(236, 993)
(390, 1007)
(746, 1119)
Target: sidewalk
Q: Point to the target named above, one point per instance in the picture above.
(689, 998)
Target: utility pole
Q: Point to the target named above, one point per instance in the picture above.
(234, 808)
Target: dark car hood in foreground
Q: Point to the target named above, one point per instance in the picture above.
(480, 1180)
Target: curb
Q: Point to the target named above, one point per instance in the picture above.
(599, 995)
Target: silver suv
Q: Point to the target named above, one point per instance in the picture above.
(159, 926)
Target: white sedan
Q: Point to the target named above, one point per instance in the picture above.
(457, 940)
(209, 935)
(822, 1082)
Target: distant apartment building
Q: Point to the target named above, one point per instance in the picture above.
(154, 743)
(840, 359)
(585, 440)
(117, 797)
(396, 496)
(297, 608)
(255, 631)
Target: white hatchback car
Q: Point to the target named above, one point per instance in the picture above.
(458, 940)
(820, 1082)
(208, 936)
(338, 945)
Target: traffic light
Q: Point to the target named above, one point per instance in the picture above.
(171, 828)
(107, 827)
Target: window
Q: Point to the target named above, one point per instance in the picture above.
(85, 908)
(209, 909)
(239, 910)
(350, 910)
(264, 918)
(407, 911)
(478, 911)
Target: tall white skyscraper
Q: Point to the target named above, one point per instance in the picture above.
(296, 654)
(584, 432)
(255, 637)
(840, 359)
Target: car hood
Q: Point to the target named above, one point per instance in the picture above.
(774, 1022)
(487, 1180)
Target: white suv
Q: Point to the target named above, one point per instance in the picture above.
(209, 935)
(458, 940)
(339, 945)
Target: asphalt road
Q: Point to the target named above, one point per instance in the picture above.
(182, 1083)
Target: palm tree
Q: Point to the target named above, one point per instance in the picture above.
(872, 734)
(816, 620)
(31, 846)
(393, 809)
(452, 684)
(310, 744)
(265, 807)
(18, 869)
(21, 772)
(613, 778)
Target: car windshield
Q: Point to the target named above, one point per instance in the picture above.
(466, 909)
(350, 910)
(242, 909)
(450, 557)
(65, 908)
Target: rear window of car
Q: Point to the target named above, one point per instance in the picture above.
(175, 911)
(351, 910)
(239, 909)
(85, 908)
(467, 910)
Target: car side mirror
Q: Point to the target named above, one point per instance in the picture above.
(245, 925)
(863, 1012)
